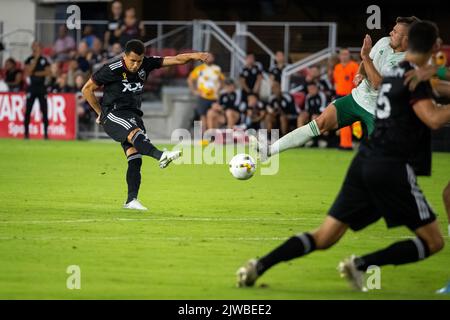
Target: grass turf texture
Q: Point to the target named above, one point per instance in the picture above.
(61, 205)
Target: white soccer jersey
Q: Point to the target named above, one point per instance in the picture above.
(383, 57)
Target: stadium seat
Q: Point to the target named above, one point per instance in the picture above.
(299, 98)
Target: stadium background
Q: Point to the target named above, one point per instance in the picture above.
(61, 200)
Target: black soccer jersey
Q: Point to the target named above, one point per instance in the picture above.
(230, 100)
(398, 132)
(251, 74)
(276, 72)
(122, 89)
(315, 104)
(37, 83)
(284, 103)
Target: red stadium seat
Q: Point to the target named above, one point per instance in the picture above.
(299, 98)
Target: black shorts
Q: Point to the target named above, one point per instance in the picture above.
(203, 105)
(381, 187)
(118, 125)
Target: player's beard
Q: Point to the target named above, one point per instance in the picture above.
(393, 45)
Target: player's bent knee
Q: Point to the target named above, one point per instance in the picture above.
(132, 134)
(446, 193)
(322, 240)
(436, 244)
(131, 151)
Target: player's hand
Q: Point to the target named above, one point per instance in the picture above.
(366, 47)
(98, 120)
(357, 79)
(415, 76)
(205, 57)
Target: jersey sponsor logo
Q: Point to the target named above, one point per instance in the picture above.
(132, 87)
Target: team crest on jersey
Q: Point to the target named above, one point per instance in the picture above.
(141, 74)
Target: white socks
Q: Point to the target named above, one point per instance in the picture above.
(296, 138)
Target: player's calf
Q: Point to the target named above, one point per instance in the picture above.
(143, 145)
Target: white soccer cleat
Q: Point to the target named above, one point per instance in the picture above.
(134, 205)
(247, 275)
(167, 157)
(355, 277)
(260, 147)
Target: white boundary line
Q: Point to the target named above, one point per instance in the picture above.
(190, 238)
(157, 219)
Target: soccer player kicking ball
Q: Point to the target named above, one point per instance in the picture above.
(357, 106)
(381, 180)
(120, 113)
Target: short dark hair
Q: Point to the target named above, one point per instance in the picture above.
(136, 46)
(407, 20)
(11, 60)
(229, 81)
(422, 36)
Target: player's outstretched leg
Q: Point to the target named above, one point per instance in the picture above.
(297, 138)
(297, 246)
(143, 145)
(428, 241)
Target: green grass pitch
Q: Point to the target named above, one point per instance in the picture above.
(61, 205)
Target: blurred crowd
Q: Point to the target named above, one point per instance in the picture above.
(243, 103)
(253, 100)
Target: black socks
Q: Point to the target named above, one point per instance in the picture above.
(398, 253)
(294, 247)
(144, 146)
(134, 175)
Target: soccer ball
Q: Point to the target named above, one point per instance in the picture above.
(242, 166)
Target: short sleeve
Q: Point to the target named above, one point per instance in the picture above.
(28, 60)
(103, 76)
(222, 99)
(195, 73)
(152, 63)
(46, 63)
(242, 73)
(422, 91)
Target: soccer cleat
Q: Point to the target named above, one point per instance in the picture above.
(247, 275)
(167, 157)
(355, 277)
(260, 147)
(134, 205)
(444, 290)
